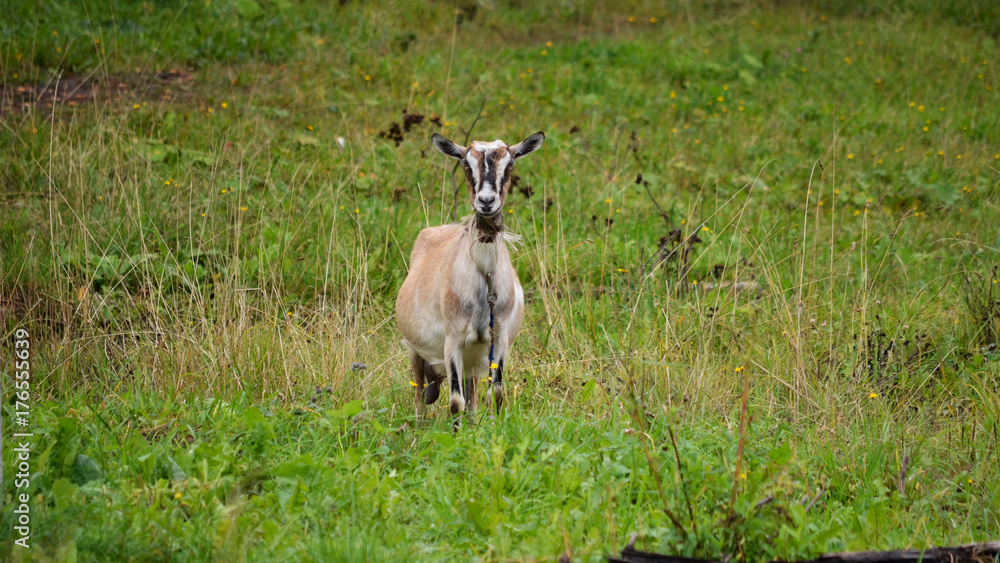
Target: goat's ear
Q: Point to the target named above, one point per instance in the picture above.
(528, 146)
(447, 147)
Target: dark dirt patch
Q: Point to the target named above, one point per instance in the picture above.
(397, 134)
(81, 90)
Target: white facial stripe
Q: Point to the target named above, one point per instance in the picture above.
(474, 164)
(502, 168)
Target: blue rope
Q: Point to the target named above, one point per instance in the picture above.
(491, 339)
(490, 299)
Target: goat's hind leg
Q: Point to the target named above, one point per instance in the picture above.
(417, 368)
(428, 382)
(495, 394)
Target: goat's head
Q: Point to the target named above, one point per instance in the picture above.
(489, 168)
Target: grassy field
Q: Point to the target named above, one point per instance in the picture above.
(207, 209)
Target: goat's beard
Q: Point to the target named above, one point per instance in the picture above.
(488, 225)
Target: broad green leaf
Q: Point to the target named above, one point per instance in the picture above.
(85, 470)
(352, 408)
(62, 492)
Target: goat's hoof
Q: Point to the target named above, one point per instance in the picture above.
(431, 392)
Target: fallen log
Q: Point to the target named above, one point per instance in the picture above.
(988, 552)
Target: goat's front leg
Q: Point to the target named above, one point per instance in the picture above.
(453, 368)
(417, 369)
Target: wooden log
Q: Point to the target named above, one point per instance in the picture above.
(988, 552)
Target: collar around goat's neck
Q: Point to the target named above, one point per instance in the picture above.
(487, 230)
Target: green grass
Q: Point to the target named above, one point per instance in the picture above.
(193, 258)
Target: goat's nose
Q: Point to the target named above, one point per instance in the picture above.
(487, 200)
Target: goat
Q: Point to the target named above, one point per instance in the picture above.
(444, 307)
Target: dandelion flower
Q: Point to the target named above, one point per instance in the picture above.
(414, 384)
(494, 365)
(872, 395)
(738, 369)
(178, 496)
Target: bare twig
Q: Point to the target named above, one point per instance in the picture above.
(739, 450)
(901, 480)
(816, 498)
(680, 470)
(666, 218)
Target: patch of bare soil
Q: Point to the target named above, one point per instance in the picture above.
(80, 90)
